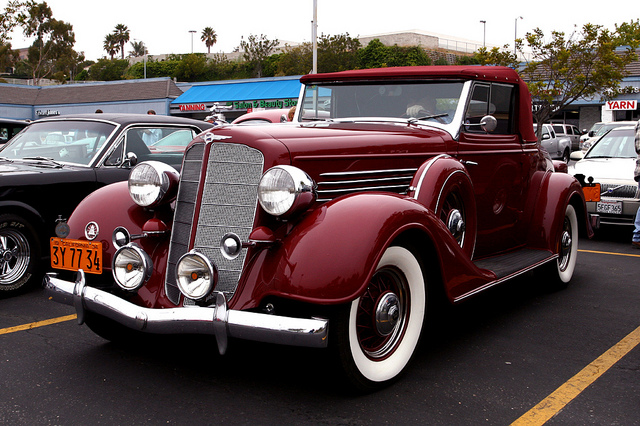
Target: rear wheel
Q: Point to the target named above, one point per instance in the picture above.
(566, 156)
(560, 272)
(19, 254)
(377, 334)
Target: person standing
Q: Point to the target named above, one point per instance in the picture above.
(636, 175)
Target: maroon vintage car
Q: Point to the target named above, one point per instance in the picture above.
(394, 188)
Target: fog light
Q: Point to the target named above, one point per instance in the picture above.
(131, 267)
(196, 276)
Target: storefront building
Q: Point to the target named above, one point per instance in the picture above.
(232, 98)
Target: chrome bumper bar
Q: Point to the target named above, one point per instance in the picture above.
(218, 321)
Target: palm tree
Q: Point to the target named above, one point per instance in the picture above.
(121, 33)
(209, 37)
(111, 45)
(139, 49)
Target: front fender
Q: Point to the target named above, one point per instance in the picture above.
(331, 254)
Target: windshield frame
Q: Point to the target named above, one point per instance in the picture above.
(597, 149)
(451, 125)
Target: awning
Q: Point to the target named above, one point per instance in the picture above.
(244, 91)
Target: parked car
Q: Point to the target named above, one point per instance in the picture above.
(263, 117)
(341, 230)
(568, 131)
(9, 128)
(46, 170)
(611, 162)
(602, 130)
(558, 147)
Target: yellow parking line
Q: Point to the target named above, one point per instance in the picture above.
(555, 402)
(609, 252)
(37, 324)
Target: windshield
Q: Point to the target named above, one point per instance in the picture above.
(76, 142)
(435, 102)
(615, 144)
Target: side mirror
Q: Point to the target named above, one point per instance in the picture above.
(130, 160)
(488, 123)
(577, 155)
(546, 136)
(591, 133)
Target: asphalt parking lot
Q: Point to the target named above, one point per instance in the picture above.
(518, 353)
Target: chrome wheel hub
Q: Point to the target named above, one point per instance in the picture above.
(456, 225)
(387, 313)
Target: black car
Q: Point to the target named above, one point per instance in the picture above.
(9, 128)
(49, 168)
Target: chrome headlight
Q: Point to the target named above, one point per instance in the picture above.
(152, 182)
(131, 267)
(283, 190)
(196, 276)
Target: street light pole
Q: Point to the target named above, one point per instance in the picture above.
(484, 32)
(192, 33)
(515, 49)
(314, 38)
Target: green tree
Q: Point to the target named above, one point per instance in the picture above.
(563, 70)
(295, 60)
(54, 39)
(192, 67)
(256, 50)
(337, 53)
(110, 45)
(139, 49)
(108, 69)
(209, 37)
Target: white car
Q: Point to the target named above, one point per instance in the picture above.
(602, 129)
(611, 161)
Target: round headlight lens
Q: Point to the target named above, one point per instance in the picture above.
(132, 267)
(150, 181)
(195, 275)
(281, 188)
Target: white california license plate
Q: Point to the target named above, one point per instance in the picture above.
(611, 207)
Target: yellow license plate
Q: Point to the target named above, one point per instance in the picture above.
(76, 254)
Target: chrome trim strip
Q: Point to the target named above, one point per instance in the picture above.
(424, 173)
(350, 182)
(368, 172)
(366, 188)
(217, 321)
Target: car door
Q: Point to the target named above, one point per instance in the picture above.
(497, 165)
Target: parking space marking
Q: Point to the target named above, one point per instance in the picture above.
(37, 324)
(562, 396)
(609, 252)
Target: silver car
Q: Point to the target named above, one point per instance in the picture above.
(559, 148)
(611, 161)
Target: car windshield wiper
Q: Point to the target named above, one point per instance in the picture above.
(44, 159)
(427, 117)
(8, 160)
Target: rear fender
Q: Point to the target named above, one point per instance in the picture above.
(557, 190)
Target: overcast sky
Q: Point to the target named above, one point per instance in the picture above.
(164, 25)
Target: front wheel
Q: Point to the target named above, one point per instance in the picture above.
(19, 254)
(377, 334)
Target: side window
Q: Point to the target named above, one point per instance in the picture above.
(493, 99)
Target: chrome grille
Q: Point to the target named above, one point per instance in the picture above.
(228, 204)
(610, 190)
(332, 185)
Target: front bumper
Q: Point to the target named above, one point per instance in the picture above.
(218, 321)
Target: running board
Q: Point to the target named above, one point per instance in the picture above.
(508, 266)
